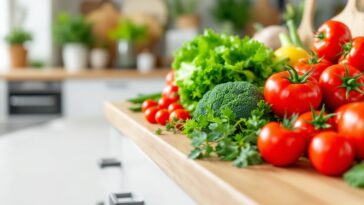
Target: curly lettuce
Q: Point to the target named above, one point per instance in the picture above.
(211, 59)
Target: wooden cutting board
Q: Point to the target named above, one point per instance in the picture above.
(352, 17)
(306, 29)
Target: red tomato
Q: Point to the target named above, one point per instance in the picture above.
(314, 64)
(150, 114)
(171, 92)
(350, 123)
(329, 39)
(170, 78)
(341, 84)
(281, 146)
(330, 153)
(290, 93)
(163, 103)
(162, 116)
(354, 53)
(174, 106)
(178, 115)
(314, 122)
(147, 104)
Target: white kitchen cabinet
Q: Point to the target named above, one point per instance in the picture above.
(85, 97)
(3, 101)
(142, 177)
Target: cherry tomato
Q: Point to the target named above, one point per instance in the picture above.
(171, 92)
(148, 103)
(174, 106)
(290, 93)
(329, 39)
(330, 153)
(341, 84)
(162, 116)
(350, 123)
(170, 78)
(163, 103)
(281, 146)
(150, 114)
(314, 122)
(179, 115)
(354, 53)
(314, 64)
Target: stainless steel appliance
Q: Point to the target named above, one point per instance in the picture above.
(32, 103)
(34, 98)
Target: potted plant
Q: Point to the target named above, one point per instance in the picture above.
(231, 14)
(183, 12)
(99, 56)
(18, 52)
(74, 34)
(127, 34)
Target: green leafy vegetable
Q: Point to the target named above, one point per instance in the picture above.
(228, 137)
(355, 176)
(211, 59)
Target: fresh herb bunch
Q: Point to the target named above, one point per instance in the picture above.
(128, 30)
(211, 59)
(181, 7)
(228, 137)
(18, 36)
(72, 29)
(234, 11)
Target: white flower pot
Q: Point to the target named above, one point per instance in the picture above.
(145, 62)
(99, 58)
(75, 56)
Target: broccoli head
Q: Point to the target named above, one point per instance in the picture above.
(241, 97)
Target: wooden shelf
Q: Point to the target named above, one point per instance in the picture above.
(61, 74)
(216, 182)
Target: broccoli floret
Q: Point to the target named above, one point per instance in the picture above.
(241, 97)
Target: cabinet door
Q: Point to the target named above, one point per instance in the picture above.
(87, 97)
(3, 101)
(142, 177)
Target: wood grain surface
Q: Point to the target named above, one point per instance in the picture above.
(61, 74)
(216, 182)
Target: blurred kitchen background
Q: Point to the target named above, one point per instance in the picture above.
(62, 59)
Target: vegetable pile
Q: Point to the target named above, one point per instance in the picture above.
(212, 59)
(239, 101)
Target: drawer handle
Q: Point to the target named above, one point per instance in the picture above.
(109, 162)
(124, 199)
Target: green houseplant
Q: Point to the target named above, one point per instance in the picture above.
(74, 33)
(18, 53)
(183, 12)
(127, 34)
(232, 14)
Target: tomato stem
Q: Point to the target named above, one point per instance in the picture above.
(320, 121)
(321, 36)
(289, 121)
(313, 58)
(350, 83)
(295, 78)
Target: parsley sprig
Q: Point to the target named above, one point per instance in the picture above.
(226, 136)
